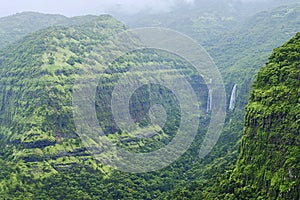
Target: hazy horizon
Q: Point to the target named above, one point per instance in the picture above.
(79, 7)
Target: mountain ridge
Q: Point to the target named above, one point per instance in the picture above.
(14, 27)
(45, 159)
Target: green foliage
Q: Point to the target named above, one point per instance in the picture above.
(15, 27)
(46, 158)
(37, 129)
(43, 158)
(268, 165)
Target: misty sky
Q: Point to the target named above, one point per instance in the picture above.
(82, 7)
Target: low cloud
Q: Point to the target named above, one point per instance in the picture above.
(250, 1)
(97, 7)
(135, 6)
(82, 7)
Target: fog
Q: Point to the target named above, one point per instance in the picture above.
(83, 7)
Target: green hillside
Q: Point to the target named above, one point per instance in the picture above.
(238, 43)
(42, 157)
(239, 56)
(37, 131)
(41, 147)
(268, 165)
(15, 27)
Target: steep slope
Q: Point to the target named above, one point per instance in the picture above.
(42, 156)
(42, 68)
(37, 131)
(238, 45)
(268, 165)
(239, 56)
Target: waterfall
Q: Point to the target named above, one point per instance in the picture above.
(209, 99)
(208, 105)
(233, 98)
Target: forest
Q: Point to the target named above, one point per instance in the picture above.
(256, 156)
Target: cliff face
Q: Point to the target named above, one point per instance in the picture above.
(42, 157)
(37, 75)
(37, 133)
(269, 161)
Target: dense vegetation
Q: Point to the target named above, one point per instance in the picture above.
(43, 158)
(37, 128)
(239, 44)
(15, 27)
(268, 165)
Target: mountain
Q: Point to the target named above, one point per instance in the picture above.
(15, 27)
(203, 20)
(41, 144)
(268, 164)
(239, 55)
(239, 36)
(37, 131)
(43, 157)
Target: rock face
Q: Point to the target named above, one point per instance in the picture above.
(269, 162)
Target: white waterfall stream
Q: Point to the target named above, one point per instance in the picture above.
(209, 99)
(233, 98)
